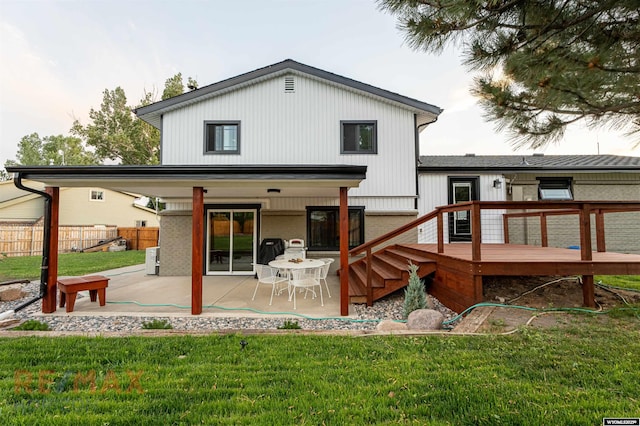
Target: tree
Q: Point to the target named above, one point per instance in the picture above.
(117, 134)
(52, 150)
(544, 64)
(414, 295)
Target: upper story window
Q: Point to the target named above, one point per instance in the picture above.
(359, 137)
(555, 189)
(222, 137)
(96, 195)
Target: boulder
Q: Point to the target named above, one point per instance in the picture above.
(11, 292)
(389, 325)
(425, 319)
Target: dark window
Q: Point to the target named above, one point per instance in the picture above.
(222, 137)
(555, 189)
(323, 227)
(358, 137)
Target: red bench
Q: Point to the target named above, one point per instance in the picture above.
(69, 287)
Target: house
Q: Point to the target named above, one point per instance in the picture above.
(288, 113)
(285, 151)
(78, 206)
(452, 179)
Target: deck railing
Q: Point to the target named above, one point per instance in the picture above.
(541, 209)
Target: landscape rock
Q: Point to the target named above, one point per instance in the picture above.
(389, 325)
(11, 292)
(425, 319)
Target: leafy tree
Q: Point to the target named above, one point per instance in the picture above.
(117, 134)
(52, 150)
(174, 86)
(544, 63)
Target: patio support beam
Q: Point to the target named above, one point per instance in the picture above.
(588, 291)
(197, 242)
(49, 299)
(344, 252)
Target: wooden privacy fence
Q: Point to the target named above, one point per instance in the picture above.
(26, 240)
(140, 238)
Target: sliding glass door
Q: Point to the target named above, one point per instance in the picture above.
(231, 242)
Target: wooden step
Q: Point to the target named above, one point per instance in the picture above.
(408, 254)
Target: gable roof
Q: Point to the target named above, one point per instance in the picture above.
(536, 162)
(152, 113)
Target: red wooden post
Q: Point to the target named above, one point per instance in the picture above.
(369, 278)
(588, 291)
(49, 299)
(344, 252)
(476, 232)
(601, 245)
(505, 227)
(197, 242)
(440, 232)
(543, 230)
(585, 233)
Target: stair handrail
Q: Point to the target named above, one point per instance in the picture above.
(398, 231)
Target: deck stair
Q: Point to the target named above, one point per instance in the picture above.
(389, 272)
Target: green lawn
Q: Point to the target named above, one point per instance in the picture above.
(623, 281)
(574, 376)
(28, 267)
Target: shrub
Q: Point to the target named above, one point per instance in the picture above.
(289, 325)
(157, 325)
(32, 325)
(414, 295)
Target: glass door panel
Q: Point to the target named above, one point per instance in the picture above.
(462, 220)
(231, 243)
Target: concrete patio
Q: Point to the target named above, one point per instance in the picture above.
(133, 293)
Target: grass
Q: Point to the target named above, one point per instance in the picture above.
(72, 264)
(570, 376)
(623, 281)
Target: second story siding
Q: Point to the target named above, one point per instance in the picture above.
(302, 126)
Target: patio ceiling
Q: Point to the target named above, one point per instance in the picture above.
(177, 182)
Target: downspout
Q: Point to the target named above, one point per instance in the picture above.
(44, 268)
(417, 148)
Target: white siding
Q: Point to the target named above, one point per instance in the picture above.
(300, 128)
(433, 190)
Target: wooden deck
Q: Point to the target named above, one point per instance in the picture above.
(458, 268)
(458, 279)
(514, 259)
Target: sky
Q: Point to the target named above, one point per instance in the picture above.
(57, 57)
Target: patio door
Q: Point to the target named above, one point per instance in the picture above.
(461, 189)
(231, 241)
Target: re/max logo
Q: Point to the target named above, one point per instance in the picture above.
(47, 381)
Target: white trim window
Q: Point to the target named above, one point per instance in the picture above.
(96, 195)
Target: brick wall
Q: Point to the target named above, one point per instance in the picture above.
(175, 244)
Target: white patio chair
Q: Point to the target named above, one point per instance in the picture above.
(324, 271)
(299, 279)
(268, 275)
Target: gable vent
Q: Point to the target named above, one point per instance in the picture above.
(289, 84)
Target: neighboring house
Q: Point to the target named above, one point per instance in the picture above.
(451, 179)
(78, 206)
(287, 114)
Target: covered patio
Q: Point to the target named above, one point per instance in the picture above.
(133, 293)
(195, 186)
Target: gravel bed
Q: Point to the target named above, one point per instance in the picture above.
(363, 318)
